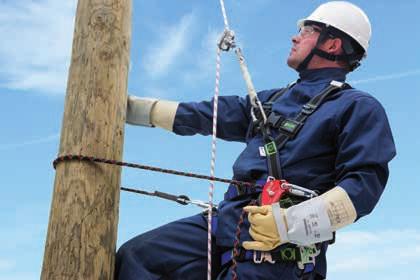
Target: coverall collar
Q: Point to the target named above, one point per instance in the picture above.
(322, 74)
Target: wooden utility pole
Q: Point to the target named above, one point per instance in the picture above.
(82, 229)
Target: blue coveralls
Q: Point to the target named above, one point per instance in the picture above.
(347, 142)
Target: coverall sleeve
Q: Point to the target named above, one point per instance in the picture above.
(197, 117)
(365, 146)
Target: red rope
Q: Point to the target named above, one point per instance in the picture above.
(237, 243)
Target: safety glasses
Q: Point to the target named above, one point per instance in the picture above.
(308, 30)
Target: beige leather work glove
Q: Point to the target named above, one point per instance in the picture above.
(306, 223)
(264, 229)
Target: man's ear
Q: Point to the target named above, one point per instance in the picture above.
(334, 46)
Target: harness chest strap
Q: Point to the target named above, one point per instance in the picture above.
(289, 128)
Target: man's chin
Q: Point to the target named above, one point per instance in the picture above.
(292, 64)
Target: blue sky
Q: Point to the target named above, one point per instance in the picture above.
(173, 57)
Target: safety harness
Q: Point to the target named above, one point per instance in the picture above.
(287, 129)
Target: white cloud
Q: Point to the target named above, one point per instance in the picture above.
(46, 139)
(387, 77)
(172, 41)
(204, 65)
(190, 55)
(36, 44)
(196, 67)
(358, 251)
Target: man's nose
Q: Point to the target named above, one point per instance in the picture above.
(295, 39)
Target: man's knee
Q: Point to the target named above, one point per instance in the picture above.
(129, 263)
(132, 250)
(123, 251)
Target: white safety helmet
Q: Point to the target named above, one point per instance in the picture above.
(345, 17)
(346, 21)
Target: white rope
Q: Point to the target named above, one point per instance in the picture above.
(255, 102)
(213, 147)
(222, 5)
(225, 44)
(213, 163)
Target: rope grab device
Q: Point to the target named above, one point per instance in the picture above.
(227, 42)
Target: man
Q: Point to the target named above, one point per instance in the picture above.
(331, 139)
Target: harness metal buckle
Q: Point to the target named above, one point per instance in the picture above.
(291, 126)
(270, 148)
(288, 254)
(308, 109)
(307, 255)
(274, 120)
(260, 256)
(301, 191)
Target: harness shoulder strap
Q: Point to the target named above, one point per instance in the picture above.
(288, 128)
(267, 106)
(279, 93)
(270, 148)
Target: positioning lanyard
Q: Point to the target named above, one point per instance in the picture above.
(181, 199)
(288, 128)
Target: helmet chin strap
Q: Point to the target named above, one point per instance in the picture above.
(304, 64)
(315, 50)
(349, 56)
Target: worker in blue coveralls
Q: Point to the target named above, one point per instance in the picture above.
(332, 140)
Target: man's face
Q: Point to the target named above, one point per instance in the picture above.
(303, 42)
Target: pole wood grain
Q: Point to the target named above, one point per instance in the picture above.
(82, 229)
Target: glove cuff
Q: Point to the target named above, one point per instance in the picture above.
(279, 218)
(340, 208)
(163, 114)
(139, 110)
